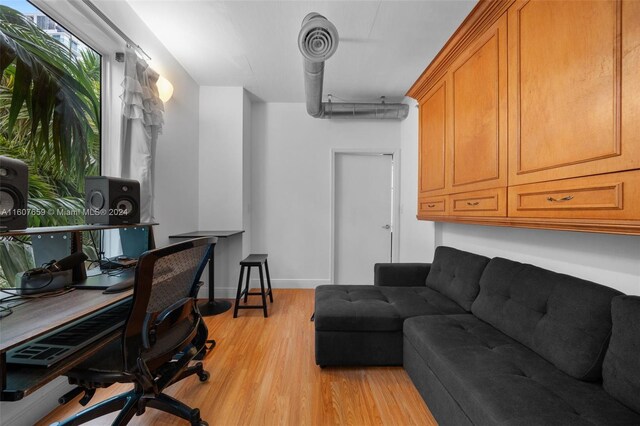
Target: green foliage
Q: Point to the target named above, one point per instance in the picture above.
(20, 257)
(60, 93)
(49, 118)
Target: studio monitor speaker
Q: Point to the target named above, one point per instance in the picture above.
(14, 193)
(112, 201)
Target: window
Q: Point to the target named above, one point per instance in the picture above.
(50, 109)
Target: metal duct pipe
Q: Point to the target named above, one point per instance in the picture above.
(313, 78)
(318, 41)
(380, 111)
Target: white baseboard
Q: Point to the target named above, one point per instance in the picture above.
(229, 291)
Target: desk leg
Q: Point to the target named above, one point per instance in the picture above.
(213, 306)
(3, 372)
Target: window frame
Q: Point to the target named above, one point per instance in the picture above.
(79, 20)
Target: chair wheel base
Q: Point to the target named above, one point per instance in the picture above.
(204, 376)
(196, 420)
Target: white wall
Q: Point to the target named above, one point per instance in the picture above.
(612, 260)
(224, 176)
(291, 186)
(176, 167)
(416, 236)
(176, 185)
(221, 157)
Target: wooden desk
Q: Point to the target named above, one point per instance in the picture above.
(211, 306)
(43, 315)
(40, 316)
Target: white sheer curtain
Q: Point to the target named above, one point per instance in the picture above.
(142, 120)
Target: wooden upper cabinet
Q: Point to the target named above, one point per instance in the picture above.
(433, 140)
(530, 116)
(631, 79)
(478, 81)
(565, 93)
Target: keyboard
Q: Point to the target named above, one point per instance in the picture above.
(65, 341)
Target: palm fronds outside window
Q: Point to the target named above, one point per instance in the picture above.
(49, 118)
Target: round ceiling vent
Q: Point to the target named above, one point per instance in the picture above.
(318, 38)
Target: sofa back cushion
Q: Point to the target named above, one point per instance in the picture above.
(621, 368)
(456, 274)
(564, 319)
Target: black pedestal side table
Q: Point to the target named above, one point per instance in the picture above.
(211, 306)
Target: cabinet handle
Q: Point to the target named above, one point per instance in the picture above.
(554, 200)
(431, 205)
(469, 203)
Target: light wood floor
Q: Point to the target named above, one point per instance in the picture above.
(263, 373)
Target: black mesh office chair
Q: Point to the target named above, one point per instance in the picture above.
(163, 333)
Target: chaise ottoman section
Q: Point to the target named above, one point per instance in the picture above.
(362, 325)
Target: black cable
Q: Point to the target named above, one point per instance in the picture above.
(56, 293)
(44, 268)
(100, 261)
(9, 298)
(5, 311)
(93, 262)
(26, 297)
(26, 243)
(95, 246)
(115, 272)
(112, 272)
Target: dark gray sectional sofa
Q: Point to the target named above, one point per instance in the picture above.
(491, 341)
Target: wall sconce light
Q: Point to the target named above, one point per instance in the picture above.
(165, 89)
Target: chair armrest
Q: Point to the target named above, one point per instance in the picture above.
(401, 274)
(196, 289)
(169, 310)
(149, 329)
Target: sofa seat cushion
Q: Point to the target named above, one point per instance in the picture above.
(497, 380)
(373, 308)
(565, 319)
(456, 274)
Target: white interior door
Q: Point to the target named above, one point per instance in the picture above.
(362, 215)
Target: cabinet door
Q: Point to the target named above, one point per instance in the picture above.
(631, 78)
(564, 90)
(478, 81)
(433, 137)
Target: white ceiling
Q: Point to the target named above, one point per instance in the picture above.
(383, 48)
